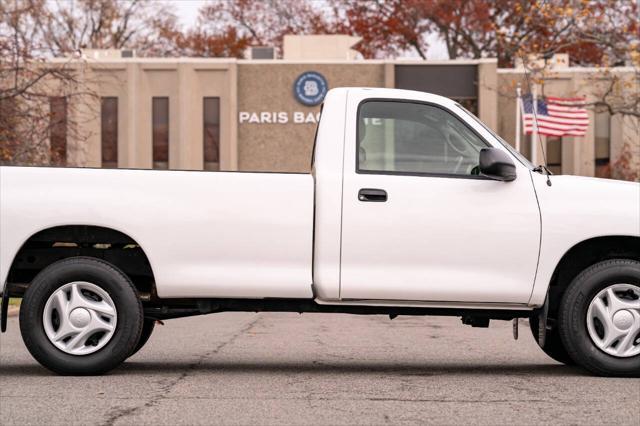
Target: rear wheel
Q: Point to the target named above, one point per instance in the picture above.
(553, 345)
(80, 316)
(600, 318)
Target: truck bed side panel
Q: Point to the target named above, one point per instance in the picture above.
(206, 234)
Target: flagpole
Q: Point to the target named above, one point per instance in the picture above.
(518, 117)
(534, 133)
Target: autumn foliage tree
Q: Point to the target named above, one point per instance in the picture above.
(62, 27)
(199, 41)
(27, 83)
(227, 28)
(600, 33)
(40, 97)
(593, 32)
(68, 26)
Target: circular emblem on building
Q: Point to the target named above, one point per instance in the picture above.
(310, 88)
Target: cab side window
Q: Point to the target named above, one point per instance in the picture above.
(414, 138)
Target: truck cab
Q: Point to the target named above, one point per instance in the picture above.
(415, 208)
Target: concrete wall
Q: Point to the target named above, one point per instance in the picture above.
(319, 47)
(487, 93)
(185, 82)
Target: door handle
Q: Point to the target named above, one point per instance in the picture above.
(372, 195)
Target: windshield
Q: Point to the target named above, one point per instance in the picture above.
(504, 143)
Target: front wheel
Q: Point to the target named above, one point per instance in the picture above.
(599, 318)
(81, 316)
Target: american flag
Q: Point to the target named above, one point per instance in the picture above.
(556, 116)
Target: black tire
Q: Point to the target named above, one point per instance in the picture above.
(573, 314)
(108, 278)
(553, 345)
(147, 329)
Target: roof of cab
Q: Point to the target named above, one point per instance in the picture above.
(381, 92)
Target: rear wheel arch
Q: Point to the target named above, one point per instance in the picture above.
(50, 245)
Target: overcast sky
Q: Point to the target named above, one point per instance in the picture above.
(187, 10)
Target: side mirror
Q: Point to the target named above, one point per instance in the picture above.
(496, 164)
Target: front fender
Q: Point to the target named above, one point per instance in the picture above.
(575, 209)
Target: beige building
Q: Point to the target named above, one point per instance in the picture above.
(600, 150)
(228, 114)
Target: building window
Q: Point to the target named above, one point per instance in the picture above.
(554, 154)
(58, 130)
(603, 144)
(160, 124)
(8, 137)
(211, 133)
(109, 132)
(458, 82)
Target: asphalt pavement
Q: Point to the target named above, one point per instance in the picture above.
(271, 368)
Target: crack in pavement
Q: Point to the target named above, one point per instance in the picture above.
(120, 413)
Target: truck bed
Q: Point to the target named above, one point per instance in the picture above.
(206, 234)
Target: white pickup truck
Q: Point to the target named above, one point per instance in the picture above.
(413, 207)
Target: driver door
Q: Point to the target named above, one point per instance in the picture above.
(420, 224)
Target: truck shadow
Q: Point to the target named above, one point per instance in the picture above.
(353, 368)
(357, 368)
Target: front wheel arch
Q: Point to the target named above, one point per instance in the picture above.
(585, 254)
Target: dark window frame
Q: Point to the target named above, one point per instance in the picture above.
(550, 165)
(608, 139)
(153, 133)
(204, 132)
(102, 130)
(8, 127)
(455, 81)
(419, 174)
(602, 165)
(58, 128)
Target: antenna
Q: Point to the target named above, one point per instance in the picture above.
(534, 108)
